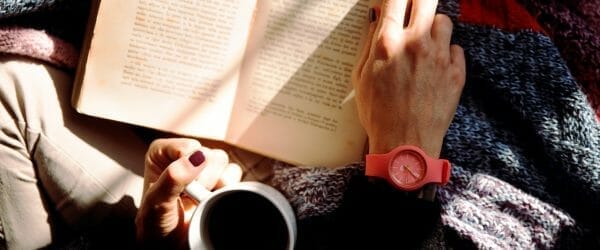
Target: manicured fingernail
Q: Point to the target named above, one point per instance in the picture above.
(372, 15)
(196, 158)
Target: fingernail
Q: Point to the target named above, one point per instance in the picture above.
(372, 15)
(196, 158)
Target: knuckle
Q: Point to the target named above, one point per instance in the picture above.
(458, 77)
(157, 142)
(154, 147)
(418, 45)
(173, 175)
(386, 44)
(442, 60)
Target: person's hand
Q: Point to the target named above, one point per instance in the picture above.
(170, 165)
(408, 80)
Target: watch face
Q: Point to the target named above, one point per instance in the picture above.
(407, 168)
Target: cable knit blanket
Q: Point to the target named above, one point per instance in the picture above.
(525, 141)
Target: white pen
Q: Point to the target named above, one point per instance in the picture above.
(348, 97)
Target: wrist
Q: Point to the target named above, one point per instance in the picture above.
(387, 145)
(409, 168)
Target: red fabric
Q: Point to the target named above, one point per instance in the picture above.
(573, 26)
(503, 14)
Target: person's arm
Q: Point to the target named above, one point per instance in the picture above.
(408, 84)
(170, 165)
(409, 78)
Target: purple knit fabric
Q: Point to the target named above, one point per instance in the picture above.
(39, 45)
(574, 26)
(524, 144)
(494, 214)
(487, 211)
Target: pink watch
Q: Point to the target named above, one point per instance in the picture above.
(408, 168)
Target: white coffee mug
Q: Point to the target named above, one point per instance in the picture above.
(249, 214)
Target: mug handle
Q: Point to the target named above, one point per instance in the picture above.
(197, 191)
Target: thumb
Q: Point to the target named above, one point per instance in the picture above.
(176, 177)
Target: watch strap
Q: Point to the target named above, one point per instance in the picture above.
(444, 172)
(438, 171)
(427, 193)
(377, 165)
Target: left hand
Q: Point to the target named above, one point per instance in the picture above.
(409, 79)
(170, 165)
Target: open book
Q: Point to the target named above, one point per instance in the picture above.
(266, 76)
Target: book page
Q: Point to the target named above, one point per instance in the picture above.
(168, 65)
(296, 73)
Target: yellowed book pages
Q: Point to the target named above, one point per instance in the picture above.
(168, 65)
(296, 73)
(268, 76)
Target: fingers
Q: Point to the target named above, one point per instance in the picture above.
(457, 58)
(393, 13)
(422, 15)
(207, 166)
(364, 55)
(171, 164)
(176, 177)
(232, 174)
(217, 160)
(457, 55)
(441, 31)
(163, 151)
(389, 29)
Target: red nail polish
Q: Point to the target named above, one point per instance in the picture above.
(196, 158)
(372, 15)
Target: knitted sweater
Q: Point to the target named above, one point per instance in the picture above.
(524, 143)
(49, 30)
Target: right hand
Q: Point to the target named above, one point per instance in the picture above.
(170, 165)
(408, 80)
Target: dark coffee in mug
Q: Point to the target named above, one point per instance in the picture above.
(245, 220)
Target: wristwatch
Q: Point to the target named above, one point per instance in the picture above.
(408, 168)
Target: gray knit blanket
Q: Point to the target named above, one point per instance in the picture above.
(525, 140)
(524, 144)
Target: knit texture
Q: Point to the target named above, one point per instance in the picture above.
(574, 27)
(12, 8)
(39, 45)
(314, 191)
(494, 214)
(524, 143)
(62, 19)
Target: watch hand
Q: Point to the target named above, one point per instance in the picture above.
(410, 171)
